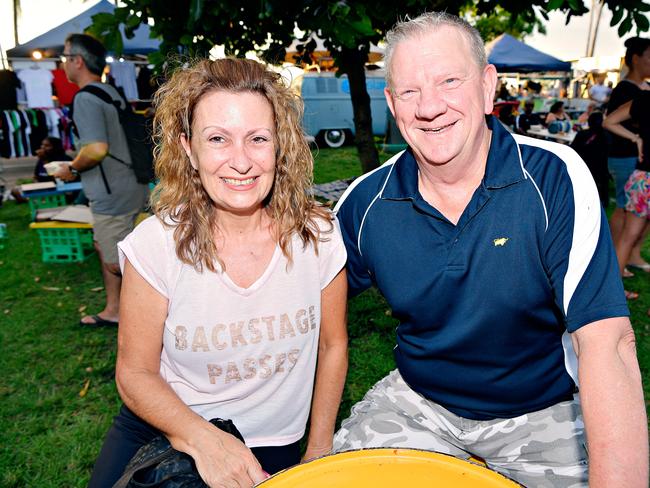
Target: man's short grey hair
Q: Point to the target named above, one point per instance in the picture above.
(90, 49)
(430, 22)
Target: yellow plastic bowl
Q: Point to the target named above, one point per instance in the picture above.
(388, 468)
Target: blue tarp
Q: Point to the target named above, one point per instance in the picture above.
(510, 55)
(51, 43)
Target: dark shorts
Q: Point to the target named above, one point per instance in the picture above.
(621, 169)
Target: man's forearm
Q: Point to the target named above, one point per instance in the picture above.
(615, 417)
(89, 156)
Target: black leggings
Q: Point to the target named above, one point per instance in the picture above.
(129, 433)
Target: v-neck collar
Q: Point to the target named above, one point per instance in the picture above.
(259, 282)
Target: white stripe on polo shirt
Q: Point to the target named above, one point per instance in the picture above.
(391, 162)
(586, 229)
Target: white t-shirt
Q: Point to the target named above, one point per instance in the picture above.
(600, 93)
(38, 86)
(243, 354)
(124, 74)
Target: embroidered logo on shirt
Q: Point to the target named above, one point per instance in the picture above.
(501, 241)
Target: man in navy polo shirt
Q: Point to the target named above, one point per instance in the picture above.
(494, 254)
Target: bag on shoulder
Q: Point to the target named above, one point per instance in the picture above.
(159, 465)
(137, 129)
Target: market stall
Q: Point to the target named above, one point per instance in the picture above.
(36, 92)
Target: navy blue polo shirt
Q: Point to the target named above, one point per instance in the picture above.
(486, 306)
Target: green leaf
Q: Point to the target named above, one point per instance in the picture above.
(186, 39)
(113, 42)
(625, 27)
(196, 10)
(121, 14)
(156, 58)
(554, 4)
(617, 16)
(363, 26)
(575, 4)
(133, 21)
(339, 9)
(642, 23)
(102, 21)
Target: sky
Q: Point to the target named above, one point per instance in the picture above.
(570, 42)
(564, 42)
(39, 16)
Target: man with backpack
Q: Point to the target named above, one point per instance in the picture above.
(104, 162)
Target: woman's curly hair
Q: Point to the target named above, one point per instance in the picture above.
(179, 200)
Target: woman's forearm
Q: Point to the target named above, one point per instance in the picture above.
(151, 398)
(330, 378)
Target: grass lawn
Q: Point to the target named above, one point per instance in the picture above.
(57, 395)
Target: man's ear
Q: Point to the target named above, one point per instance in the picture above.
(185, 142)
(489, 86)
(79, 61)
(389, 100)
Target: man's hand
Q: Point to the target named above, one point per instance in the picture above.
(88, 157)
(64, 173)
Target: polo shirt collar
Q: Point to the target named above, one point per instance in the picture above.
(503, 167)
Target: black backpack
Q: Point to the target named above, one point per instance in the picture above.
(137, 129)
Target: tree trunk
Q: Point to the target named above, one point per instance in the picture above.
(352, 62)
(594, 36)
(17, 14)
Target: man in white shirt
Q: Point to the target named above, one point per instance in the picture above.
(599, 92)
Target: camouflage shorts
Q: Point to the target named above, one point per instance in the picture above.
(540, 449)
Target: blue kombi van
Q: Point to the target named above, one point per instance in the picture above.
(328, 107)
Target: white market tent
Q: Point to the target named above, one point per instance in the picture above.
(51, 42)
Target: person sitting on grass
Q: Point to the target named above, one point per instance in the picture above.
(233, 288)
(51, 150)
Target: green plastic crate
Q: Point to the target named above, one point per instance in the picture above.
(64, 243)
(47, 201)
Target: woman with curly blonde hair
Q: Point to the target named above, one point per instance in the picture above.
(232, 288)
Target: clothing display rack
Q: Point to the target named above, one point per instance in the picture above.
(22, 130)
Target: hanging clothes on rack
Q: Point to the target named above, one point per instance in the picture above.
(123, 72)
(38, 86)
(12, 119)
(53, 123)
(39, 127)
(21, 131)
(144, 81)
(25, 132)
(9, 82)
(8, 149)
(65, 91)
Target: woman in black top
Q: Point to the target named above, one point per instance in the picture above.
(637, 188)
(622, 156)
